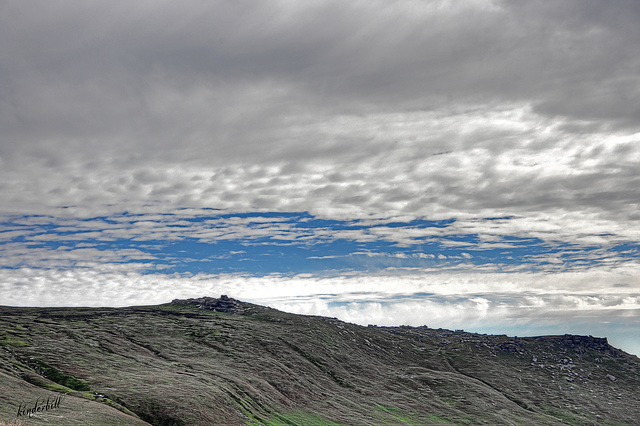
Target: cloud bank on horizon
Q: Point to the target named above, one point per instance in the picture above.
(456, 164)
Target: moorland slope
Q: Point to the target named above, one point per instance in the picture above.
(221, 361)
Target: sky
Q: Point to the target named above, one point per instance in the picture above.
(466, 165)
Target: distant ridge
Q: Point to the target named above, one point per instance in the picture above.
(223, 361)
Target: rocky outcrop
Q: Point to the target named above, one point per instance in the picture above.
(580, 344)
(597, 343)
(512, 346)
(223, 304)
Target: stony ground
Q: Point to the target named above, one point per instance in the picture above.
(221, 361)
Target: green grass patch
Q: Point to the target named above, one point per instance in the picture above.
(62, 378)
(299, 418)
(393, 410)
(55, 387)
(13, 340)
(397, 414)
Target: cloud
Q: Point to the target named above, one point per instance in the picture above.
(552, 303)
(510, 124)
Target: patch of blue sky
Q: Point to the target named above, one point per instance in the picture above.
(301, 243)
(627, 249)
(261, 256)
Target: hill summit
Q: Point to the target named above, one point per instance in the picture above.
(223, 361)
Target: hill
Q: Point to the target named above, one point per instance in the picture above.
(222, 361)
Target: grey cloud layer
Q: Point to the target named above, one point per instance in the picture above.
(343, 109)
(137, 65)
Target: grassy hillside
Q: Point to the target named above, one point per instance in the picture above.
(221, 361)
